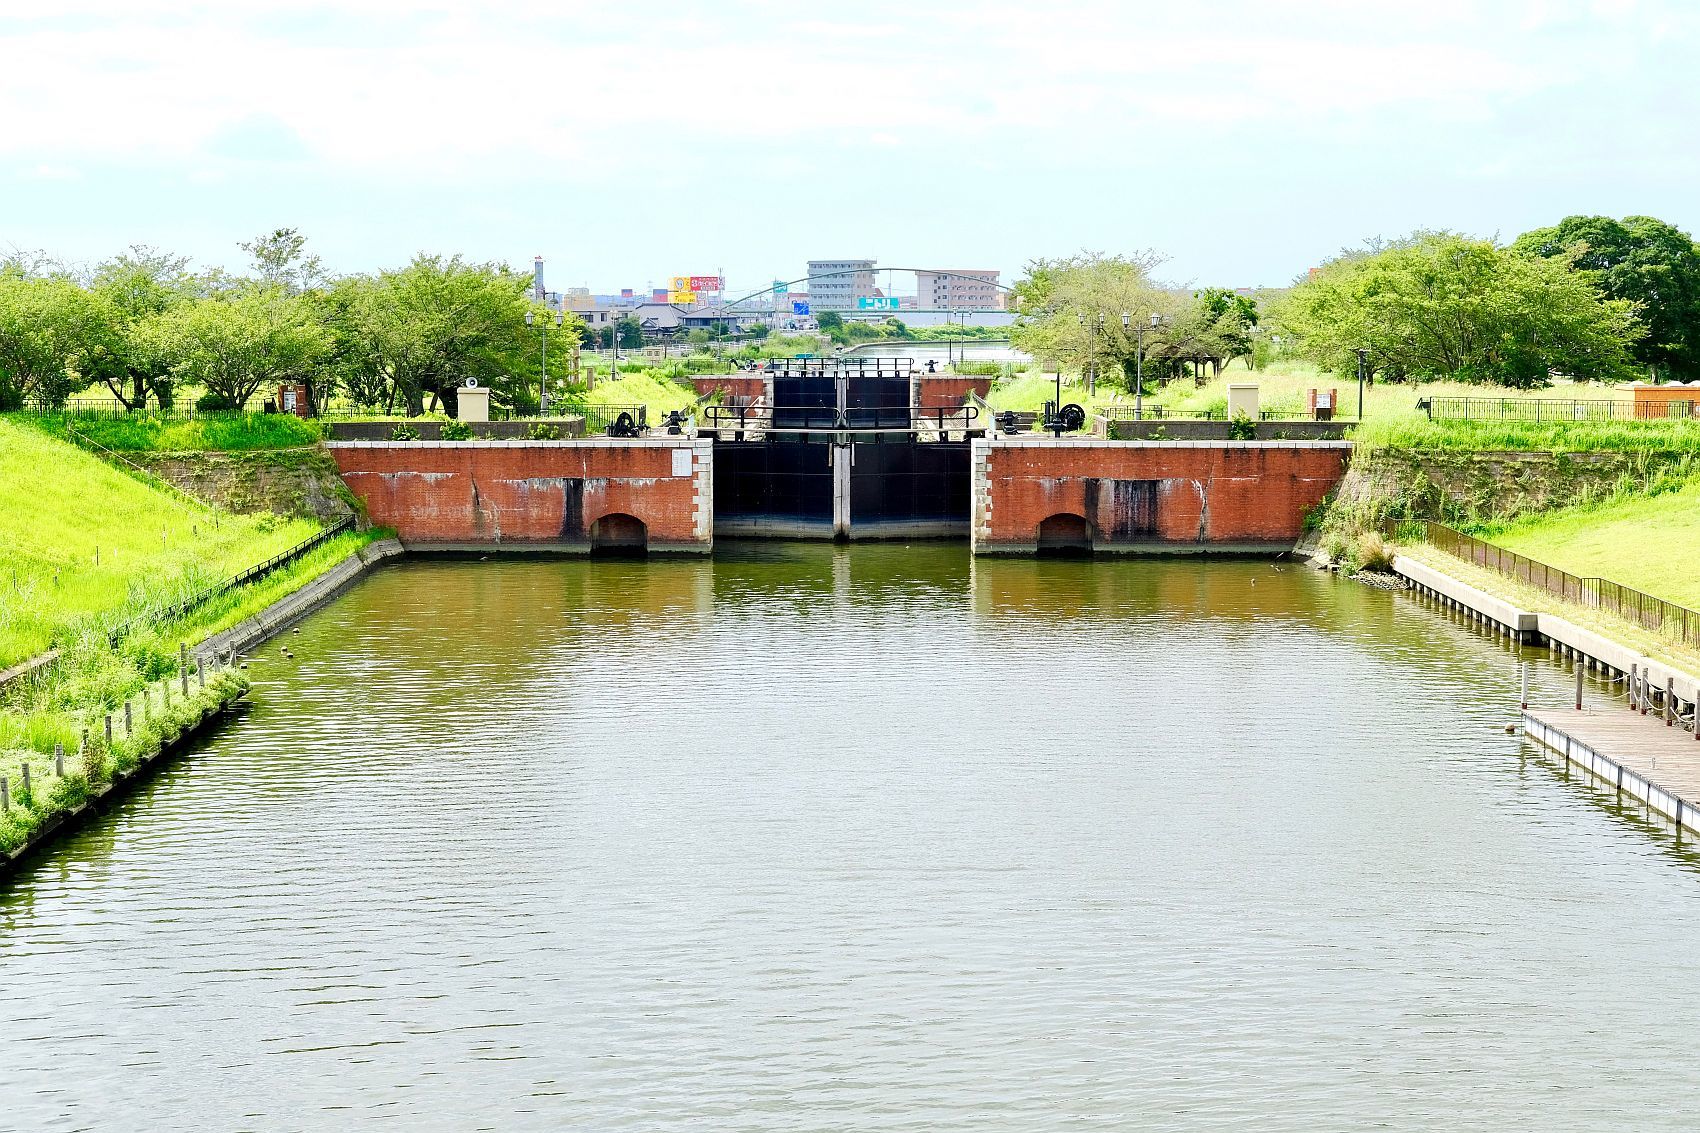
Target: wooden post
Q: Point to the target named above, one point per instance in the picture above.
(1523, 700)
(5, 796)
(201, 676)
(59, 760)
(183, 664)
(147, 702)
(1670, 701)
(109, 729)
(1631, 686)
(1578, 688)
(128, 725)
(26, 778)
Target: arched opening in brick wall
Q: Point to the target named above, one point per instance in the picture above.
(619, 534)
(1065, 534)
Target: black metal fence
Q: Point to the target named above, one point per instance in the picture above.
(1637, 606)
(597, 418)
(252, 574)
(1548, 409)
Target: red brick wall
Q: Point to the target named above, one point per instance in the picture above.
(946, 391)
(1186, 495)
(531, 492)
(750, 386)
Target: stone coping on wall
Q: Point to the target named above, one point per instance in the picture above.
(681, 441)
(1101, 442)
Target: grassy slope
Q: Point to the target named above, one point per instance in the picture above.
(58, 504)
(1649, 542)
(145, 432)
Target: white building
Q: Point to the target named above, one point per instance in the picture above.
(836, 285)
(959, 289)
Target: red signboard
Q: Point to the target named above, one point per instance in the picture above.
(705, 283)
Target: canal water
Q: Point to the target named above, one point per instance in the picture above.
(808, 838)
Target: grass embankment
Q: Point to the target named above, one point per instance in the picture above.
(1650, 542)
(57, 505)
(155, 432)
(85, 546)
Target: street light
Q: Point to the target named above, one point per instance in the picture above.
(1139, 362)
(1363, 361)
(543, 381)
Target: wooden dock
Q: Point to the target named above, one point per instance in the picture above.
(1639, 755)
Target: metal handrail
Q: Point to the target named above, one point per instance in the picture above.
(829, 418)
(1539, 409)
(252, 574)
(1626, 602)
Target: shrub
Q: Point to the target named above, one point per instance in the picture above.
(457, 431)
(404, 432)
(215, 403)
(1242, 428)
(1373, 552)
(543, 431)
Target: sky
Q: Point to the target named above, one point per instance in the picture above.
(627, 143)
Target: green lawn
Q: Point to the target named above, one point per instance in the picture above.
(152, 432)
(1649, 542)
(61, 507)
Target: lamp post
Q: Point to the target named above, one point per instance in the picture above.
(1139, 361)
(1363, 361)
(543, 380)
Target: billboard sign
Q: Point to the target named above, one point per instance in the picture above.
(682, 297)
(799, 306)
(876, 302)
(780, 287)
(707, 283)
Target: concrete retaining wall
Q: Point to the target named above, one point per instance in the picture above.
(430, 430)
(292, 608)
(1151, 496)
(535, 494)
(1563, 637)
(1155, 430)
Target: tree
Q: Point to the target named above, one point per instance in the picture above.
(760, 331)
(1645, 261)
(1070, 311)
(136, 286)
(1449, 306)
(630, 333)
(421, 330)
(829, 321)
(48, 329)
(280, 257)
(235, 344)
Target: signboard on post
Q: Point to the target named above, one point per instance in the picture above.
(799, 306)
(706, 283)
(780, 287)
(686, 296)
(876, 302)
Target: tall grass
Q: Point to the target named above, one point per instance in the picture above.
(154, 432)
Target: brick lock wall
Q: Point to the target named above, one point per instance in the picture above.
(1175, 495)
(533, 492)
(749, 386)
(947, 391)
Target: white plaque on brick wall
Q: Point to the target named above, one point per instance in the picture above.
(681, 462)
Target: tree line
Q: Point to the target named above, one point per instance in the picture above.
(145, 326)
(1590, 298)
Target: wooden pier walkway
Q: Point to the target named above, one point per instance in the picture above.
(1640, 755)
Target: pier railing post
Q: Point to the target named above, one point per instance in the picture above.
(1670, 701)
(1631, 686)
(1578, 668)
(1523, 700)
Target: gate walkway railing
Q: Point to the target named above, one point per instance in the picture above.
(1645, 610)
